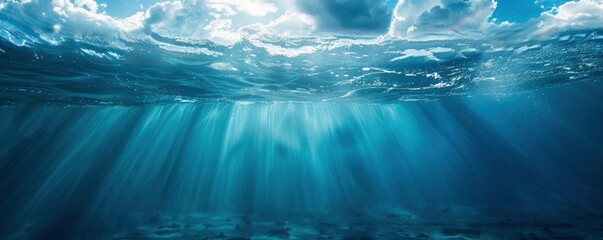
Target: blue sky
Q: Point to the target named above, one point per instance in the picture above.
(522, 10)
(124, 8)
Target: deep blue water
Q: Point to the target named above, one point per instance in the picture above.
(163, 139)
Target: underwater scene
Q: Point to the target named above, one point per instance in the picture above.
(301, 119)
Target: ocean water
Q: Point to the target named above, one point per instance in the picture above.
(332, 138)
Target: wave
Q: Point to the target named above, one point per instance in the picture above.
(143, 67)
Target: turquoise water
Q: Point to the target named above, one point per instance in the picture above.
(158, 138)
(530, 160)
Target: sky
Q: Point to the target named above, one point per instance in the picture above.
(507, 10)
(125, 8)
(227, 22)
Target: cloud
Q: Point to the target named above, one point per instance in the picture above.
(291, 24)
(228, 22)
(176, 17)
(406, 13)
(51, 21)
(457, 16)
(252, 7)
(573, 15)
(449, 17)
(215, 20)
(83, 15)
(225, 22)
(348, 15)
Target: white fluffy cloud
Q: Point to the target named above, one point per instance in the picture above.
(76, 17)
(179, 17)
(225, 22)
(406, 13)
(572, 15)
(291, 23)
(424, 17)
(81, 14)
(214, 20)
(470, 18)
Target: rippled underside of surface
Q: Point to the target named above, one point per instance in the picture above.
(160, 70)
